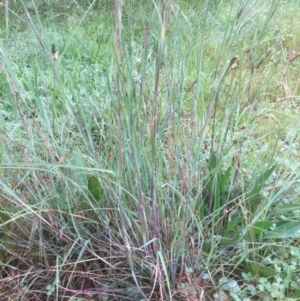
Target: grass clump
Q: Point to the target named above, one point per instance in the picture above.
(144, 155)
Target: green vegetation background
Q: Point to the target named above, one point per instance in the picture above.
(149, 150)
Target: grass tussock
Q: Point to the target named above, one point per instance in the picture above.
(149, 150)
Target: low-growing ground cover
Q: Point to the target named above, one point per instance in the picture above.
(149, 150)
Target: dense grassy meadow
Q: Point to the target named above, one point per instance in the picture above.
(149, 150)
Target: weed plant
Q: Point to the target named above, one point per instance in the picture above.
(149, 150)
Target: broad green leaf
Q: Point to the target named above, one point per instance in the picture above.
(212, 161)
(224, 179)
(63, 204)
(296, 294)
(216, 194)
(94, 187)
(227, 241)
(261, 226)
(286, 209)
(287, 230)
(233, 224)
(260, 269)
(260, 182)
(288, 277)
(232, 234)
